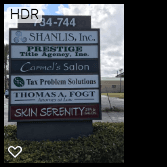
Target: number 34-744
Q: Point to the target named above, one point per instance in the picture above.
(65, 22)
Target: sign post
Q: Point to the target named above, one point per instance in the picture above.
(54, 71)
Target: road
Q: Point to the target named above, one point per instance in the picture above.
(6, 113)
(106, 117)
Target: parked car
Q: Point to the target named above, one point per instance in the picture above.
(7, 93)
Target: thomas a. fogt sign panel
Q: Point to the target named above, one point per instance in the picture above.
(54, 74)
(54, 96)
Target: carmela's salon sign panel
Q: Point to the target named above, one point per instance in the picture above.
(54, 96)
(57, 66)
(54, 81)
(52, 112)
(54, 37)
(54, 51)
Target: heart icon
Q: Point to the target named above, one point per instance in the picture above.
(15, 149)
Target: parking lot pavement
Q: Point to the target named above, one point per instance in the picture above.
(111, 117)
(116, 102)
(6, 117)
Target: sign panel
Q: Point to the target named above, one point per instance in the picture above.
(53, 66)
(50, 112)
(54, 96)
(59, 23)
(56, 37)
(53, 81)
(54, 51)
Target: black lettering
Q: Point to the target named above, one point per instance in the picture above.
(37, 48)
(54, 36)
(40, 34)
(33, 94)
(52, 49)
(15, 13)
(71, 36)
(30, 48)
(79, 94)
(32, 36)
(61, 94)
(47, 38)
(60, 47)
(54, 94)
(37, 93)
(22, 53)
(22, 14)
(47, 94)
(45, 49)
(34, 14)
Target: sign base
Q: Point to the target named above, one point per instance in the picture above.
(54, 130)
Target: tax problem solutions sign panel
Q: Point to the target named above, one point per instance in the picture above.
(54, 71)
(54, 81)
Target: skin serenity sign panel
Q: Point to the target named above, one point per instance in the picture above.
(35, 112)
(54, 75)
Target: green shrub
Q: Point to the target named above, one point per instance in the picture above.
(105, 145)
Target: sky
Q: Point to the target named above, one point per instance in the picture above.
(108, 17)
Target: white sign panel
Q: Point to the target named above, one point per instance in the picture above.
(54, 51)
(53, 81)
(54, 96)
(45, 36)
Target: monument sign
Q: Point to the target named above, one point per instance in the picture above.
(54, 70)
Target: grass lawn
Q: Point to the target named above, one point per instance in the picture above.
(118, 95)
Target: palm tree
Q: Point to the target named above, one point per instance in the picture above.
(6, 52)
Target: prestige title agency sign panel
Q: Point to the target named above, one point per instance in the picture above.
(54, 51)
